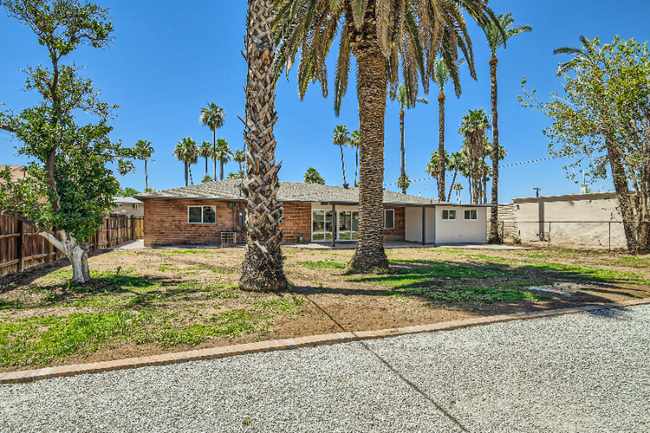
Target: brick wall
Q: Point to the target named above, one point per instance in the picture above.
(399, 232)
(166, 223)
(297, 222)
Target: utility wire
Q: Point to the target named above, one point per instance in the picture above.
(501, 166)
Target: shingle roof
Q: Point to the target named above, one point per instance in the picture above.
(229, 189)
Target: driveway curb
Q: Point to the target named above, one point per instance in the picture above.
(290, 343)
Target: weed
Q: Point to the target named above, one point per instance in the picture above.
(221, 271)
(166, 268)
(189, 252)
(323, 264)
(486, 295)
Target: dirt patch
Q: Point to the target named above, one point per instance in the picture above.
(158, 301)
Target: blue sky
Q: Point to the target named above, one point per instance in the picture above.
(171, 58)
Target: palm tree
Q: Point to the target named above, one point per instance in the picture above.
(313, 176)
(240, 158)
(262, 268)
(405, 101)
(223, 154)
(458, 187)
(380, 34)
(341, 138)
(355, 142)
(497, 36)
(145, 151)
(473, 127)
(457, 162)
(214, 118)
(434, 166)
(441, 76)
(206, 151)
(180, 151)
(191, 154)
(583, 57)
(404, 181)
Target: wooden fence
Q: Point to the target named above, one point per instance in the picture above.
(21, 247)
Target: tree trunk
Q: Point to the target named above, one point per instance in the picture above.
(453, 182)
(214, 154)
(343, 166)
(76, 252)
(191, 178)
(221, 169)
(356, 167)
(371, 90)
(186, 175)
(441, 148)
(403, 163)
(146, 175)
(262, 268)
(206, 166)
(493, 235)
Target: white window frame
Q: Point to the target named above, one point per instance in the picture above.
(201, 223)
(135, 206)
(470, 215)
(386, 211)
(449, 214)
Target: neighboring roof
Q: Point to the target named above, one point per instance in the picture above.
(229, 189)
(568, 197)
(17, 171)
(127, 200)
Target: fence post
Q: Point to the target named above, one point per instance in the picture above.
(21, 246)
(108, 231)
(132, 227)
(610, 236)
(548, 245)
(503, 230)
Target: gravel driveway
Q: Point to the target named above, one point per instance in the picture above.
(587, 372)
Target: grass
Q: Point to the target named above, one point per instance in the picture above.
(487, 295)
(321, 264)
(189, 252)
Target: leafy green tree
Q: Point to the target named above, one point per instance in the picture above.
(69, 187)
(497, 35)
(214, 118)
(457, 162)
(603, 125)
(128, 192)
(207, 178)
(355, 143)
(187, 153)
(341, 138)
(238, 175)
(405, 101)
(441, 76)
(385, 37)
(404, 182)
(206, 151)
(473, 127)
(313, 176)
(223, 154)
(145, 150)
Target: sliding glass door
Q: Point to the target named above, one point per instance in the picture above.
(348, 225)
(321, 221)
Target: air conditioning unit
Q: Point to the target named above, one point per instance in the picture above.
(228, 239)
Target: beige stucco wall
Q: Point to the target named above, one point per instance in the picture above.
(127, 209)
(573, 221)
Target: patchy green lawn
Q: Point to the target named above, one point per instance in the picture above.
(154, 301)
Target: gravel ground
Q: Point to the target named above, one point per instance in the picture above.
(587, 372)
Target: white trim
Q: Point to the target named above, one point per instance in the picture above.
(385, 211)
(470, 214)
(449, 214)
(201, 223)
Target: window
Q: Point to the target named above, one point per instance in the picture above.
(282, 215)
(202, 214)
(389, 219)
(241, 218)
(471, 214)
(135, 206)
(448, 214)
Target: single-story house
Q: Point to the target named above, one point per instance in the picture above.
(198, 214)
(128, 206)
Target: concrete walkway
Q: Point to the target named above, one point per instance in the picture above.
(573, 373)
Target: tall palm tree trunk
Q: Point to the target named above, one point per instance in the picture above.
(191, 178)
(441, 148)
(343, 166)
(146, 175)
(186, 175)
(221, 169)
(356, 167)
(403, 163)
(451, 188)
(371, 91)
(493, 236)
(206, 166)
(214, 150)
(262, 268)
